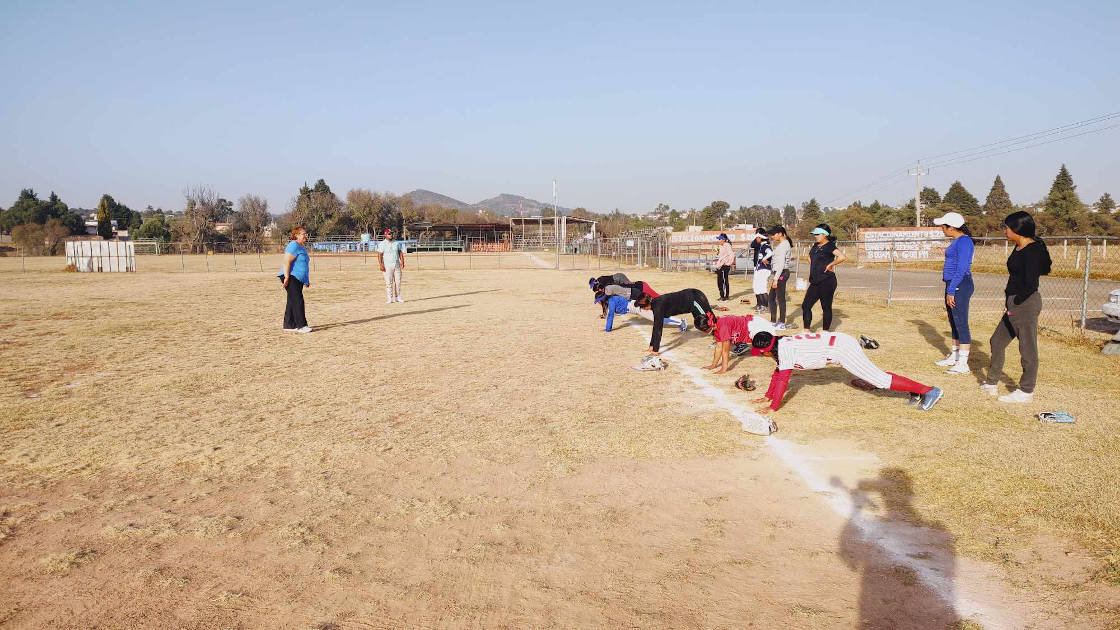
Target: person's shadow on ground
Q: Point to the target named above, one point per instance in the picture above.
(892, 594)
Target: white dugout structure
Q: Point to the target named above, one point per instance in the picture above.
(101, 255)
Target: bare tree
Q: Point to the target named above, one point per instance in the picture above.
(196, 226)
(251, 220)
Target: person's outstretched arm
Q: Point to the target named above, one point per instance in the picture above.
(779, 381)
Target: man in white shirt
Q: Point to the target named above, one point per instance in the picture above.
(390, 257)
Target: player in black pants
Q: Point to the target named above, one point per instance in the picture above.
(823, 258)
(677, 303)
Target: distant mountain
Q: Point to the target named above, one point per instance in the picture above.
(506, 205)
(503, 205)
(423, 197)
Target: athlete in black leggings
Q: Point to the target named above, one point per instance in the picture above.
(783, 256)
(823, 257)
(677, 303)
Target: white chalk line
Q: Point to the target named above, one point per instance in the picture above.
(891, 537)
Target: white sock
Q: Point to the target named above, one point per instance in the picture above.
(962, 356)
(956, 352)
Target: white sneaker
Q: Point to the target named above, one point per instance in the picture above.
(948, 361)
(1017, 396)
(400, 299)
(305, 329)
(958, 368)
(291, 330)
(989, 389)
(389, 301)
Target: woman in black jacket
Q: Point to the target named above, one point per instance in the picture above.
(1023, 303)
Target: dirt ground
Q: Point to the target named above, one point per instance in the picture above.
(482, 455)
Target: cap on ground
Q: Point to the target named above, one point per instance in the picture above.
(952, 219)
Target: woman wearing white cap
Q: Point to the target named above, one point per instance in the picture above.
(957, 276)
(823, 258)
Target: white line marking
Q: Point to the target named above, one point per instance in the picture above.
(902, 542)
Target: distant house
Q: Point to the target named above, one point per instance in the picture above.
(222, 227)
(91, 225)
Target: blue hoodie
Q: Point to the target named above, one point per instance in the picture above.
(616, 304)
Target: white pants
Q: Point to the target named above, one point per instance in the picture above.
(761, 281)
(392, 282)
(849, 354)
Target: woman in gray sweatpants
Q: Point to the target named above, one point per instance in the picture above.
(1022, 303)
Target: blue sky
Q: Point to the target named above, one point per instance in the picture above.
(626, 105)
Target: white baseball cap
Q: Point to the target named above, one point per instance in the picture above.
(952, 219)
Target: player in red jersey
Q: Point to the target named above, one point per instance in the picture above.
(730, 330)
(813, 351)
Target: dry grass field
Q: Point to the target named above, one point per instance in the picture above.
(482, 455)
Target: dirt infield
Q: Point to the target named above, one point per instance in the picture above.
(482, 455)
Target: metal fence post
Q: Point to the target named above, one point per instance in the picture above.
(234, 246)
(182, 260)
(260, 263)
(23, 258)
(796, 262)
(1085, 283)
(890, 277)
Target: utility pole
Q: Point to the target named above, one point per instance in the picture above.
(917, 173)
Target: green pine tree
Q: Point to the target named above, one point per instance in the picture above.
(1106, 204)
(959, 197)
(998, 203)
(1063, 206)
(930, 197)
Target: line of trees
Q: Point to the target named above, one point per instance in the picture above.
(41, 226)
(1061, 212)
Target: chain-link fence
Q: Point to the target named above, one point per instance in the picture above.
(1076, 295)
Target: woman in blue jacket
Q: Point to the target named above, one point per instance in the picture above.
(957, 276)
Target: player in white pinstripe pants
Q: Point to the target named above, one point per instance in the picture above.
(813, 351)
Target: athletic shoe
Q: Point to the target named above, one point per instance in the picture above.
(291, 330)
(958, 368)
(949, 361)
(684, 325)
(989, 389)
(929, 399)
(389, 301)
(779, 326)
(651, 362)
(305, 329)
(914, 399)
(400, 299)
(1017, 396)
(740, 349)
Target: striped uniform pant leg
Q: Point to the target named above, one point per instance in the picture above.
(855, 361)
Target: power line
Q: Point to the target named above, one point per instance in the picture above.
(1031, 136)
(993, 149)
(963, 159)
(883, 180)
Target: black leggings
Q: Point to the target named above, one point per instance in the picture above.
(823, 291)
(723, 282)
(293, 311)
(777, 298)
